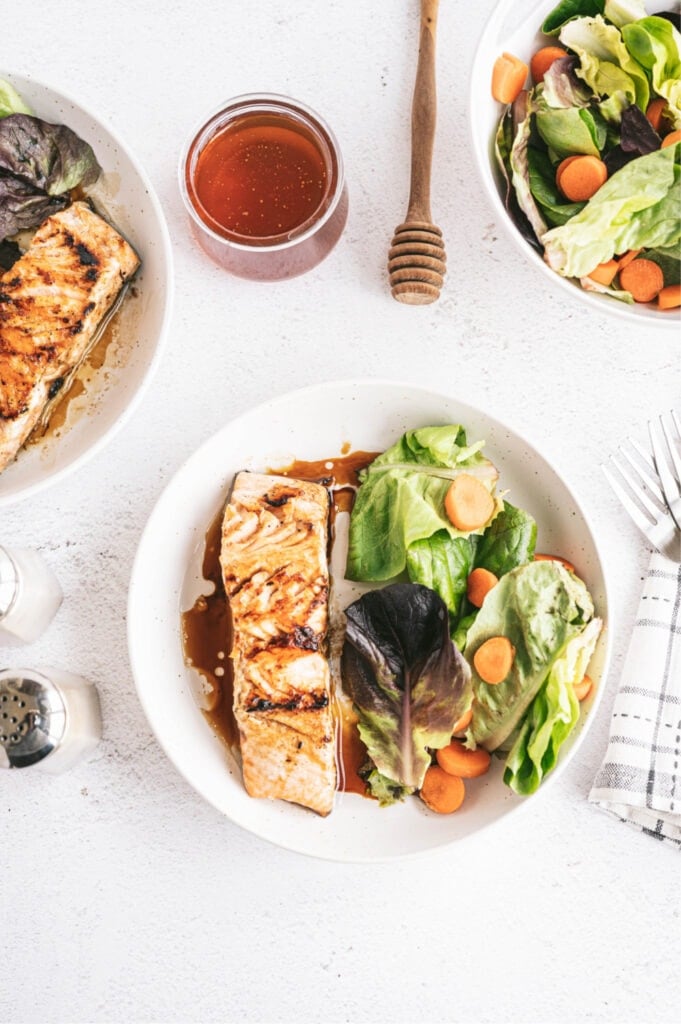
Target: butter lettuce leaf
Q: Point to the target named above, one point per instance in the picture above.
(401, 498)
(539, 607)
(39, 165)
(383, 789)
(443, 563)
(562, 88)
(408, 682)
(569, 131)
(508, 542)
(50, 157)
(10, 101)
(605, 63)
(520, 170)
(567, 10)
(656, 44)
(552, 716)
(22, 208)
(621, 12)
(638, 207)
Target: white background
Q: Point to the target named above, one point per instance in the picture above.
(124, 897)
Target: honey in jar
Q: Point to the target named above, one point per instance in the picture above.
(263, 184)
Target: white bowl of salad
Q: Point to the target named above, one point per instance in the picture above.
(576, 121)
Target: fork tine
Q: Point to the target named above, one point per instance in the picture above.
(646, 474)
(638, 491)
(643, 454)
(673, 444)
(670, 485)
(644, 524)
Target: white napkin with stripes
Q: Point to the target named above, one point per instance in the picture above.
(639, 780)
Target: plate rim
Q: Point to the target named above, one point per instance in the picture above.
(140, 390)
(196, 456)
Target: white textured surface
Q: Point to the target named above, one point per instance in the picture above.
(123, 896)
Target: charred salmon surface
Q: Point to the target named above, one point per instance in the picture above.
(275, 571)
(52, 303)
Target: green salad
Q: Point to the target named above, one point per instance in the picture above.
(472, 645)
(591, 152)
(40, 163)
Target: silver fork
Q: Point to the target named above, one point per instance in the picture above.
(649, 486)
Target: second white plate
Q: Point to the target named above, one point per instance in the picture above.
(312, 424)
(126, 196)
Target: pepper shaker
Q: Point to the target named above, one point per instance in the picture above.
(49, 719)
(29, 595)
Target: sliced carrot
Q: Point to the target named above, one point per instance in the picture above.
(555, 558)
(671, 139)
(626, 258)
(563, 164)
(463, 722)
(669, 297)
(468, 503)
(542, 61)
(508, 78)
(479, 584)
(655, 112)
(643, 279)
(605, 273)
(442, 792)
(455, 759)
(493, 659)
(580, 178)
(583, 688)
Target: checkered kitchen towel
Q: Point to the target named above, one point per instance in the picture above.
(640, 778)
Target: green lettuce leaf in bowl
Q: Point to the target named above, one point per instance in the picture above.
(39, 164)
(401, 498)
(444, 563)
(656, 45)
(10, 101)
(605, 63)
(552, 716)
(639, 207)
(539, 607)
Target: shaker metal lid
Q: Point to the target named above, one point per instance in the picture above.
(8, 582)
(32, 717)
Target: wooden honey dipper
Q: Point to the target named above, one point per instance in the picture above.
(416, 261)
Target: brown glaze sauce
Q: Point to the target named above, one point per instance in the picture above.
(80, 384)
(207, 625)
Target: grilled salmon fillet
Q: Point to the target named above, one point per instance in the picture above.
(52, 302)
(274, 566)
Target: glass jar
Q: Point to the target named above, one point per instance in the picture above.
(262, 180)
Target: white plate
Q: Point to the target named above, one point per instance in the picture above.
(126, 196)
(515, 27)
(166, 578)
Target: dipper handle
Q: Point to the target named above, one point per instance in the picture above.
(423, 116)
(416, 261)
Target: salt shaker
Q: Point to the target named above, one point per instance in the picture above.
(29, 595)
(49, 719)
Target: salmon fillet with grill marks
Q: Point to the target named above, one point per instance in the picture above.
(52, 302)
(274, 566)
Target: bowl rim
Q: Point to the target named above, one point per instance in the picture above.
(483, 151)
(93, 448)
